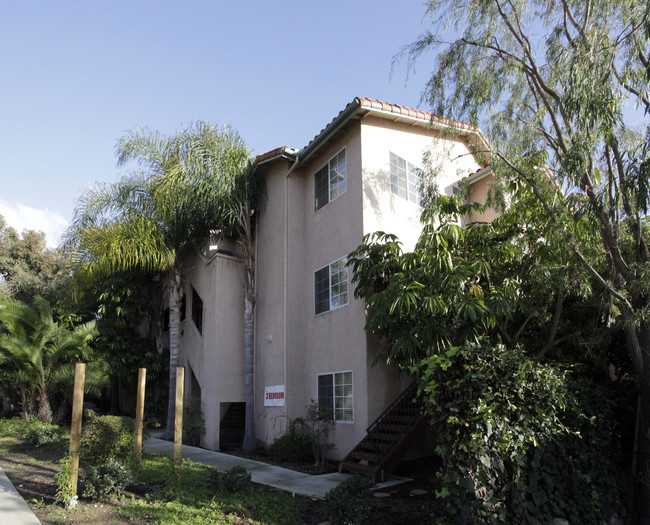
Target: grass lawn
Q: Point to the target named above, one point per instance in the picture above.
(160, 494)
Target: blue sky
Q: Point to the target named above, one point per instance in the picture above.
(76, 76)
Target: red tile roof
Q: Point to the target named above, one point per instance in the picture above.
(414, 113)
(385, 107)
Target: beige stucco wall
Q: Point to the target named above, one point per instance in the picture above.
(293, 345)
(270, 358)
(296, 352)
(332, 341)
(216, 357)
(449, 161)
(479, 193)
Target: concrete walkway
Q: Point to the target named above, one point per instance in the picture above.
(13, 509)
(263, 473)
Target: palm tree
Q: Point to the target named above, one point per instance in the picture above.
(189, 185)
(38, 354)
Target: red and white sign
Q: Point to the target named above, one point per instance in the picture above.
(274, 396)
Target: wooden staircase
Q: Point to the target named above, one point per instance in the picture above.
(388, 438)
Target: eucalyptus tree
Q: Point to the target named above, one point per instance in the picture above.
(38, 354)
(188, 185)
(562, 88)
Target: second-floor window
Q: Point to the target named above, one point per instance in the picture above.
(330, 181)
(331, 286)
(197, 311)
(405, 179)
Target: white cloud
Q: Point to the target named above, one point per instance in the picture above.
(22, 217)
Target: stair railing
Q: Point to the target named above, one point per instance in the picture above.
(402, 406)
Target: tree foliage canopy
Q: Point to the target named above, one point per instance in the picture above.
(28, 268)
(188, 186)
(562, 90)
(38, 355)
(155, 215)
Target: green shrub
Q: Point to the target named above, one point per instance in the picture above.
(521, 441)
(44, 434)
(107, 482)
(295, 445)
(350, 503)
(234, 479)
(193, 421)
(63, 478)
(106, 437)
(17, 426)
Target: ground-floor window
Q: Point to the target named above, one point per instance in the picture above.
(335, 395)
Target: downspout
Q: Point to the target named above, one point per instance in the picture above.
(286, 274)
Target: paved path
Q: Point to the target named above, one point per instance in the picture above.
(13, 509)
(263, 473)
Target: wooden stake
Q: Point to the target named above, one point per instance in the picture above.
(139, 415)
(178, 415)
(75, 427)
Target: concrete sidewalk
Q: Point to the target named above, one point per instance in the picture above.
(263, 473)
(13, 509)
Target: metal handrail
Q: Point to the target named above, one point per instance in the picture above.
(410, 393)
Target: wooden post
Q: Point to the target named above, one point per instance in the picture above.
(139, 415)
(75, 427)
(178, 415)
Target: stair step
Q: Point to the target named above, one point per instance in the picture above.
(366, 444)
(398, 420)
(358, 467)
(367, 456)
(388, 427)
(383, 438)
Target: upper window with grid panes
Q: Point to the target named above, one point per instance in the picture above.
(330, 181)
(331, 286)
(405, 179)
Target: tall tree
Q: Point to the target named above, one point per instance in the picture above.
(561, 85)
(444, 311)
(188, 187)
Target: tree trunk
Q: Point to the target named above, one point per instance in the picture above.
(7, 405)
(641, 475)
(638, 342)
(44, 409)
(174, 293)
(249, 350)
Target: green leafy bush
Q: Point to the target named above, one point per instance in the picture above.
(44, 434)
(305, 438)
(234, 479)
(17, 426)
(63, 478)
(107, 482)
(350, 503)
(295, 445)
(106, 437)
(521, 441)
(193, 421)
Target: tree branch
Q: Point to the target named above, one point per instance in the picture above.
(557, 314)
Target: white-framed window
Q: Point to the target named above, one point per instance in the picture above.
(330, 181)
(331, 286)
(336, 395)
(405, 179)
(458, 191)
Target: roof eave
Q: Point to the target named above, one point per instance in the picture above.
(331, 129)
